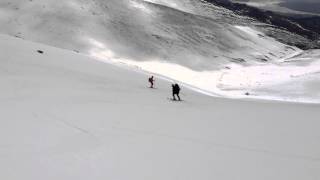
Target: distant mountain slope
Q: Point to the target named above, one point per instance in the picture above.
(305, 27)
(190, 33)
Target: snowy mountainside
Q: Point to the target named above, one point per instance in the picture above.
(67, 116)
(189, 32)
(205, 46)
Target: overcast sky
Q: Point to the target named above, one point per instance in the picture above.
(310, 6)
(267, 1)
(317, 1)
(289, 1)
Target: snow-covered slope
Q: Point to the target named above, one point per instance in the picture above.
(189, 33)
(66, 116)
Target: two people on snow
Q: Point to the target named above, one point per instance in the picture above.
(175, 89)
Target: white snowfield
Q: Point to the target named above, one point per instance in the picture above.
(66, 116)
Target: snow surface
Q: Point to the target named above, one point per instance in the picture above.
(66, 116)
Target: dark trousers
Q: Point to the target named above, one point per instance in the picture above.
(174, 96)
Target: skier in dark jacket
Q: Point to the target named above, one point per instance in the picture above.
(151, 81)
(175, 92)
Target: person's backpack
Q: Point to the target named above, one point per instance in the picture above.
(150, 80)
(177, 87)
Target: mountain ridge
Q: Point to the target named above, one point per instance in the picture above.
(302, 25)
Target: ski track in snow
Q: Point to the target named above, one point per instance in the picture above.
(223, 146)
